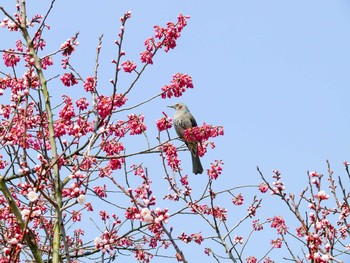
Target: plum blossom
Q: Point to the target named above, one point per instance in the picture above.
(128, 66)
(164, 123)
(89, 84)
(10, 59)
(263, 188)
(216, 170)
(322, 195)
(146, 215)
(32, 196)
(177, 86)
(81, 199)
(68, 79)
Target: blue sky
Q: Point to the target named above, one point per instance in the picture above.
(275, 74)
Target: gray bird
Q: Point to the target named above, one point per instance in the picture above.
(183, 120)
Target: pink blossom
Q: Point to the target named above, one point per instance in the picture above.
(263, 187)
(171, 156)
(46, 62)
(10, 59)
(203, 133)
(89, 84)
(128, 66)
(177, 86)
(101, 191)
(251, 259)
(321, 195)
(76, 216)
(278, 223)
(276, 243)
(68, 79)
(238, 200)
(136, 124)
(68, 47)
(82, 103)
(257, 226)
(197, 238)
(238, 239)
(215, 170)
(164, 123)
(146, 57)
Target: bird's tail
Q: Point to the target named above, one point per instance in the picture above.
(197, 167)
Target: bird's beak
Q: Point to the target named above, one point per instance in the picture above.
(171, 106)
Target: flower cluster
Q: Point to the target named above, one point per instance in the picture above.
(128, 66)
(171, 156)
(136, 124)
(196, 237)
(164, 123)
(218, 212)
(203, 133)
(106, 104)
(10, 58)
(164, 37)
(278, 185)
(171, 33)
(89, 84)
(68, 47)
(68, 79)
(238, 200)
(177, 86)
(278, 223)
(215, 170)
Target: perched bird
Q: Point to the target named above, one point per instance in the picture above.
(183, 120)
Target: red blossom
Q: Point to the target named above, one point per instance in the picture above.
(238, 200)
(251, 259)
(276, 243)
(116, 164)
(101, 191)
(171, 156)
(278, 223)
(203, 133)
(257, 226)
(177, 86)
(82, 103)
(105, 106)
(89, 84)
(215, 170)
(164, 123)
(146, 57)
(185, 238)
(128, 66)
(198, 238)
(166, 37)
(76, 216)
(68, 47)
(136, 124)
(46, 62)
(10, 58)
(68, 79)
(30, 79)
(263, 187)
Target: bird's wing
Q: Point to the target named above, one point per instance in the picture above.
(193, 121)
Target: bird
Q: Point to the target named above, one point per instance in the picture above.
(183, 119)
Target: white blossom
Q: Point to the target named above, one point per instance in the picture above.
(81, 199)
(32, 196)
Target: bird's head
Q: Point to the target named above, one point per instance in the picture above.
(178, 106)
